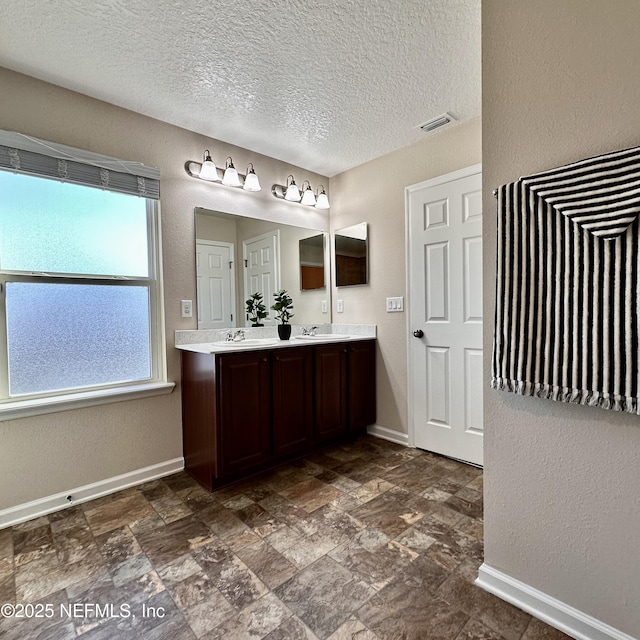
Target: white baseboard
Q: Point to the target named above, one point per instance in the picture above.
(554, 612)
(388, 434)
(59, 501)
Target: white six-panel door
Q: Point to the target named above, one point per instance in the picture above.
(215, 284)
(445, 294)
(262, 269)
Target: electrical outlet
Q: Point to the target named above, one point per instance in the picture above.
(339, 306)
(324, 306)
(187, 308)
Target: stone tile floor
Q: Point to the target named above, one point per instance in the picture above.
(368, 540)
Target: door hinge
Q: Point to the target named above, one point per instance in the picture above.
(231, 264)
(232, 317)
(246, 263)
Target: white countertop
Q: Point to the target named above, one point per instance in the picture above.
(269, 343)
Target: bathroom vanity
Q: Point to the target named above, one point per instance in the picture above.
(246, 408)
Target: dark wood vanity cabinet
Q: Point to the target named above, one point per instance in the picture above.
(243, 412)
(292, 394)
(244, 386)
(362, 385)
(331, 391)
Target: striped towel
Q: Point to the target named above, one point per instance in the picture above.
(566, 325)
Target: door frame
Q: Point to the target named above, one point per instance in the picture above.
(431, 182)
(232, 258)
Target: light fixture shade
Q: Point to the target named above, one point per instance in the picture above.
(208, 168)
(292, 193)
(308, 196)
(322, 202)
(231, 178)
(251, 182)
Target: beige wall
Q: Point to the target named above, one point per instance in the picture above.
(53, 453)
(375, 193)
(562, 513)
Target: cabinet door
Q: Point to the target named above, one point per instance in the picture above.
(199, 417)
(331, 391)
(244, 411)
(362, 385)
(292, 397)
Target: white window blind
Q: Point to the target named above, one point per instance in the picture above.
(25, 154)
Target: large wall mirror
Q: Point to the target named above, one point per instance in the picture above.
(238, 256)
(352, 255)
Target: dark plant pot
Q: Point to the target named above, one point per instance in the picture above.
(284, 331)
(257, 324)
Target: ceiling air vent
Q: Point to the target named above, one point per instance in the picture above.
(437, 123)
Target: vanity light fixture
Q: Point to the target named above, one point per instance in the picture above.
(308, 196)
(305, 196)
(322, 201)
(230, 177)
(292, 192)
(207, 170)
(251, 182)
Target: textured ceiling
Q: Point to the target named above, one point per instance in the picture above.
(323, 84)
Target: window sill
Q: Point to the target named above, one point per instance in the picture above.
(39, 406)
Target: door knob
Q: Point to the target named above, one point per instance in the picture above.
(418, 333)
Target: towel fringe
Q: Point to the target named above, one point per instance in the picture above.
(564, 394)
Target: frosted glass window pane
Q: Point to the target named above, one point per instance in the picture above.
(62, 336)
(57, 227)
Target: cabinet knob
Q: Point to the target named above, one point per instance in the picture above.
(265, 360)
(344, 351)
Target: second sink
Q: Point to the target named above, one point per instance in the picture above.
(247, 343)
(323, 336)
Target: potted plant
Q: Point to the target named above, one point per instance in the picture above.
(283, 307)
(256, 310)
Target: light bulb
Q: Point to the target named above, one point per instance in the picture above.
(292, 193)
(322, 201)
(251, 182)
(208, 168)
(230, 177)
(307, 196)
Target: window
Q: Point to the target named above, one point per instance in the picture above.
(79, 279)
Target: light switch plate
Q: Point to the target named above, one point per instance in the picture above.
(324, 306)
(339, 306)
(186, 307)
(395, 305)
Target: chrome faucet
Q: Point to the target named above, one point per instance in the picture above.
(229, 337)
(238, 336)
(309, 332)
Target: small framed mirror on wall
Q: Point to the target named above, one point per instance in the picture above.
(312, 262)
(352, 255)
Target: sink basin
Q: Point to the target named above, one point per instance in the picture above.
(248, 343)
(323, 336)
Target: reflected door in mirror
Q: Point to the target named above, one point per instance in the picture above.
(215, 284)
(262, 269)
(312, 262)
(351, 254)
